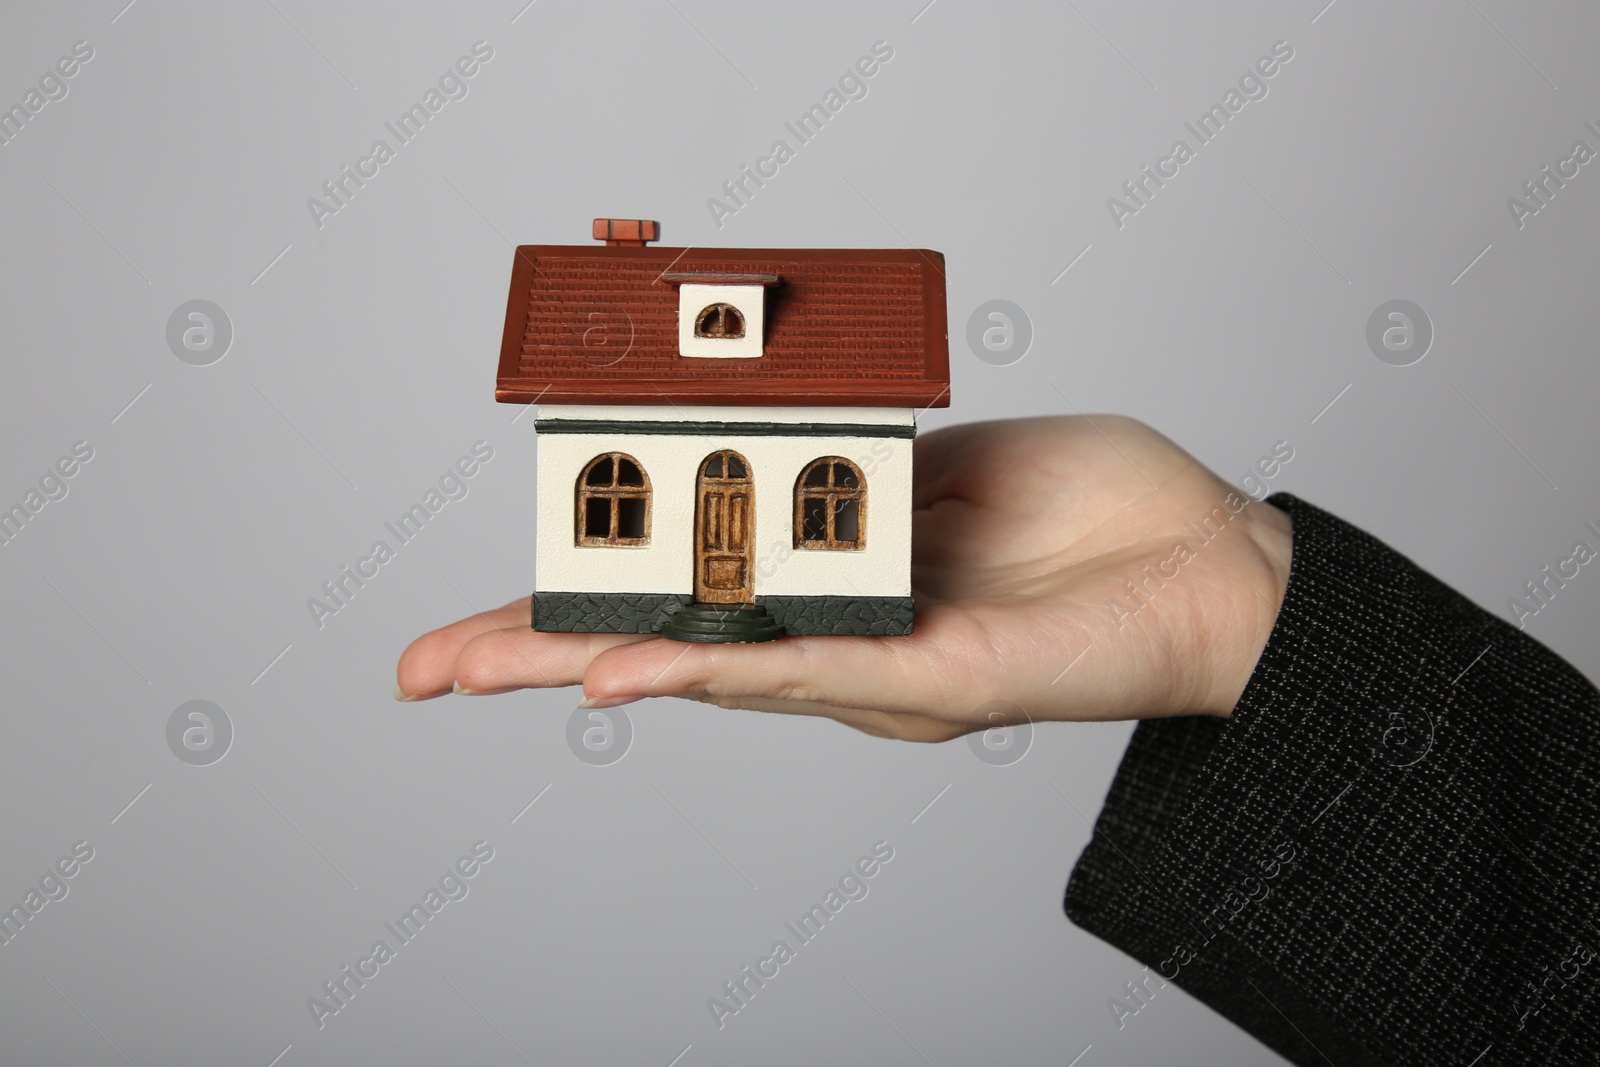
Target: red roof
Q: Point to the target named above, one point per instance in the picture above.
(589, 324)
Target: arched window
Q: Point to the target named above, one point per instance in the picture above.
(719, 320)
(830, 505)
(613, 502)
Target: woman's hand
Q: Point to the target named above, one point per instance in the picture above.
(1076, 567)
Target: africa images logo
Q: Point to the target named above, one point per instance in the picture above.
(341, 989)
(1252, 85)
(743, 987)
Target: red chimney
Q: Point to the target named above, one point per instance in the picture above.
(633, 233)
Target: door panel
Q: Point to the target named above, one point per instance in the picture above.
(711, 521)
(738, 506)
(725, 574)
(724, 540)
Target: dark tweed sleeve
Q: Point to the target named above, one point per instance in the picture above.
(1388, 853)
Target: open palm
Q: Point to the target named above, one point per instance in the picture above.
(1063, 568)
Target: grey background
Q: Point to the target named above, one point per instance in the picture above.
(1229, 313)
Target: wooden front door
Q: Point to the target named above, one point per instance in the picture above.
(724, 540)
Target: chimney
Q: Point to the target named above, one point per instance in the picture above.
(631, 233)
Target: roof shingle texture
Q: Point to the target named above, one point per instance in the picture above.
(590, 324)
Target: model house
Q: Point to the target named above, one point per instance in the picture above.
(724, 434)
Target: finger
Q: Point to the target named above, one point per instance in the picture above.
(903, 674)
(934, 456)
(522, 658)
(884, 724)
(427, 666)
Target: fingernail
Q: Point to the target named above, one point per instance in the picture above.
(461, 690)
(589, 703)
(403, 698)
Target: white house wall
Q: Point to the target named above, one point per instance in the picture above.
(672, 462)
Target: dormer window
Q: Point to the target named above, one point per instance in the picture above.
(719, 320)
(721, 315)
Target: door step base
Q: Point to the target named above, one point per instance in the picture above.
(717, 624)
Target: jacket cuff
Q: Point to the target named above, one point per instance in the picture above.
(1284, 865)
